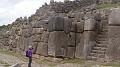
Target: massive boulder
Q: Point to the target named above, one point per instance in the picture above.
(57, 43)
(56, 24)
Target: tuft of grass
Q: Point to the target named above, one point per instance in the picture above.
(108, 5)
(4, 64)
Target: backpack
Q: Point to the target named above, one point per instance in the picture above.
(27, 53)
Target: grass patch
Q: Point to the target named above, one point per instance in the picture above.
(11, 53)
(74, 61)
(107, 5)
(4, 64)
(113, 64)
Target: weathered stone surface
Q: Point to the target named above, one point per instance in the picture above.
(80, 27)
(42, 49)
(56, 24)
(20, 32)
(36, 38)
(35, 45)
(65, 29)
(89, 42)
(114, 42)
(67, 25)
(71, 52)
(45, 37)
(79, 16)
(114, 17)
(37, 31)
(57, 43)
(90, 25)
(71, 39)
(79, 46)
(26, 33)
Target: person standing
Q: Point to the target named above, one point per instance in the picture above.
(29, 55)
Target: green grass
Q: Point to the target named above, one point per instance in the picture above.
(53, 64)
(108, 5)
(113, 64)
(4, 64)
(18, 55)
(74, 61)
(65, 61)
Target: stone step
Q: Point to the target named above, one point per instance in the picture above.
(93, 54)
(101, 55)
(101, 42)
(96, 47)
(101, 39)
(101, 52)
(101, 45)
(103, 33)
(92, 58)
(102, 36)
(103, 49)
(94, 51)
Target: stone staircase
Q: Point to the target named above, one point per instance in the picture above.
(99, 50)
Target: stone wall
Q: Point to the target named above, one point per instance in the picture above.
(65, 29)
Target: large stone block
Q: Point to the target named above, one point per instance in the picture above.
(71, 52)
(77, 26)
(67, 25)
(57, 41)
(90, 25)
(71, 39)
(56, 24)
(45, 37)
(24, 43)
(114, 17)
(35, 45)
(80, 26)
(79, 46)
(113, 51)
(36, 38)
(42, 49)
(89, 42)
(79, 16)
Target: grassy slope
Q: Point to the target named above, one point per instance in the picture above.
(108, 5)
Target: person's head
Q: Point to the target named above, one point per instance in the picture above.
(30, 47)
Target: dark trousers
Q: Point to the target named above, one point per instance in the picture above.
(30, 61)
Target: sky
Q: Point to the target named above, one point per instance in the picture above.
(12, 9)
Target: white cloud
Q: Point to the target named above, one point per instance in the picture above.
(12, 9)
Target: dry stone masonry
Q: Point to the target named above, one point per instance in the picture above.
(69, 29)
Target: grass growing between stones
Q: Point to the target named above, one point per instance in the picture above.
(108, 5)
(3, 63)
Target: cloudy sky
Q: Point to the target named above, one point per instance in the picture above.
(12, 9)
